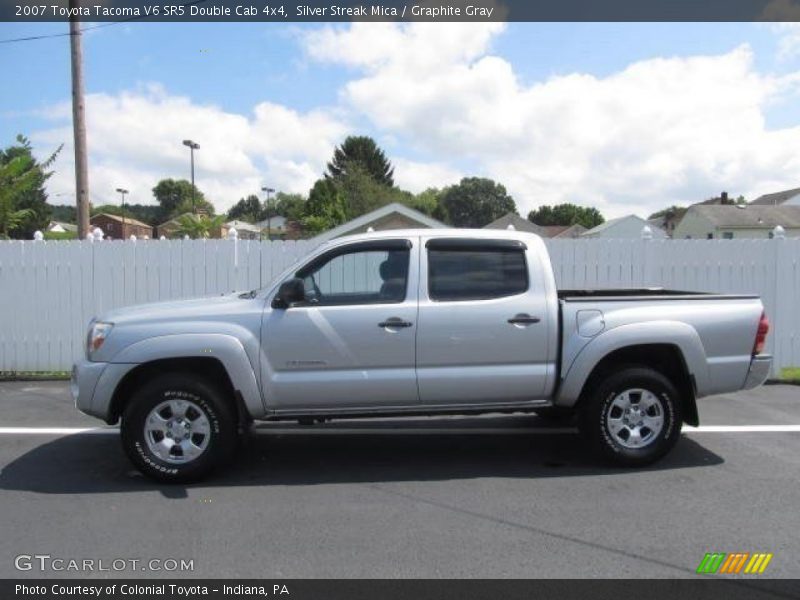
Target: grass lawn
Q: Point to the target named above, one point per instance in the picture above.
(791, 373)
(33, 375)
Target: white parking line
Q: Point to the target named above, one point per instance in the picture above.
(269, 430)
(741, 429)
(54, 430)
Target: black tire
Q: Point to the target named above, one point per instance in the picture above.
(598, 404)
(222, 437)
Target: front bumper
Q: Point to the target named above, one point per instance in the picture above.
(760, 368)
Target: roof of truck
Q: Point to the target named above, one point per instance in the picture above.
(441, 232)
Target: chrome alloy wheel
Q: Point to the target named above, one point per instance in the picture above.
(177, 431)
(635, 418)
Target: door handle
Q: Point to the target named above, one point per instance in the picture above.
(523, 320)
(394, 322)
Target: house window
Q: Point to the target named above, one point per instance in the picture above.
(727, 235)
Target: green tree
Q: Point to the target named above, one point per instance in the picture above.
(672, 211)
(201, 205)
(325, 207)
(566, 214)
(475, 202)
(65, 213)
(175, 198)
(362, 193)
(24, 200)
(291, 206)
(199, 226)
(428, 202)
(247, 209)
(362, 151)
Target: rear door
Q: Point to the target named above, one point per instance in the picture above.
(482, 333)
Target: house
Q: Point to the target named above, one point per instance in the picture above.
(118, 228)
(669, 220)
(740, 221)
(785, 198)
(391, 216)
(244, 230)
(545, 231)
(169, 229)
(61, 227)
(513, 220)
(564, 231)
(277, 226)
(627, 227)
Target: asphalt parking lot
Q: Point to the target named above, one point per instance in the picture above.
(492, 497)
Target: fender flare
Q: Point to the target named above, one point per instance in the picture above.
(674, 333)
(227, 349)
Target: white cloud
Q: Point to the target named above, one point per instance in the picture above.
(418, 176)
(135, 139)
(661, 131)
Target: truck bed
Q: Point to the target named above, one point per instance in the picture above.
(655, 293)
(716, 331)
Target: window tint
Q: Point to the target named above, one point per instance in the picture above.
(480, 274)
(359, 277)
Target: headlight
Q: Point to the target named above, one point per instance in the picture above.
(98, 332)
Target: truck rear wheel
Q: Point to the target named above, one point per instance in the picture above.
(178, 427)
(632, 417)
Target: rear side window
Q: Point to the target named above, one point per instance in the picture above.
(476, 273)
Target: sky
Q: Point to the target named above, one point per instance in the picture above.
(629, 118)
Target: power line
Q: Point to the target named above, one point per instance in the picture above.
(93, 27)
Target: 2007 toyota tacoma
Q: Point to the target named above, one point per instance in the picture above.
(416, 322)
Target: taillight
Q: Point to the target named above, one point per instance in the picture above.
(761, 334)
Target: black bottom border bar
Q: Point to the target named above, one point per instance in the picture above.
(405, 589)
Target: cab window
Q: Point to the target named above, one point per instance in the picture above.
(479, 271)
(363, 275)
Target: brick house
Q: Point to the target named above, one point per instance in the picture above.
(116, 228)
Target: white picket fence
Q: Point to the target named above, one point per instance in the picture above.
(50, 290)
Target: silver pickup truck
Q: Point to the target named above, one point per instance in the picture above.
(417, 322)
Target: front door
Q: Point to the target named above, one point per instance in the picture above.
(351, 343)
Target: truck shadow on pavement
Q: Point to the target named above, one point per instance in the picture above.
(95, 463)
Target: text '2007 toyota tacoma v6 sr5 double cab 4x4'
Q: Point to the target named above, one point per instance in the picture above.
(418, 322)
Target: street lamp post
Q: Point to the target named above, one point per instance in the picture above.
(192, 147)
(269, 191)
(122, 193)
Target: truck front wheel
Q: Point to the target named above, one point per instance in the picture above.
(632, 417)
(178, 427)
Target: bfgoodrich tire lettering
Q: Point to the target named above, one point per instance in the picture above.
(193, 419)
(632, 417)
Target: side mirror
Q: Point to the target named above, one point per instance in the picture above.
(290, 293)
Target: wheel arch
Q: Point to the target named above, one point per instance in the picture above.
(666, 358)
(221, 356)
(208, 368)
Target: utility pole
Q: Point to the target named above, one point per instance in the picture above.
(79, 122)
(122, 192)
